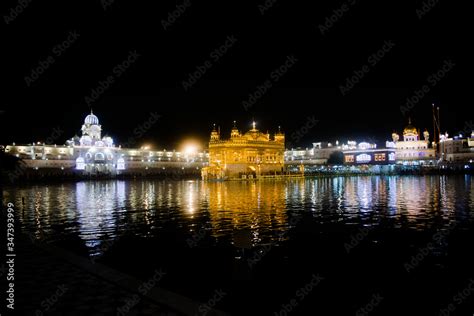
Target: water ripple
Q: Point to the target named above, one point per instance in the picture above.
(101, 212)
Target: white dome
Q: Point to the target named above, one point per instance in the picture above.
(91, 119)
(86, 141)
(108, 141)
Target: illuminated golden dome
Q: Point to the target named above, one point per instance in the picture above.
(215, 134)
(410, 129)
(235, 132)
(255, 134)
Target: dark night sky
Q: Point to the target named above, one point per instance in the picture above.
(153, 83)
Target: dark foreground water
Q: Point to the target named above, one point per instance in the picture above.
(332, 246)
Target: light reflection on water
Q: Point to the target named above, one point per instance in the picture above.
(103, 211)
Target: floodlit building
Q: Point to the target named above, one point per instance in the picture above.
(248, 155)
(457, 148)
(92, 154)
(369, 154)
(412, 150)
(319, 154)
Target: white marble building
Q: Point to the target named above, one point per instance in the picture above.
(457, 148)
(94, 154)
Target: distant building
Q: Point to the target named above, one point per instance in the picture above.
(92, 154)
(368, 154)
(318, 155)
(412, 150)
(246, 155)
(457, 149)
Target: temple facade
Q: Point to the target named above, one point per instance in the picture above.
(412, 150)
(457, 149)
(94, 154)
(250, 155)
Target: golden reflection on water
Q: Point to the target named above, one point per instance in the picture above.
(105, 210)
(258, 206)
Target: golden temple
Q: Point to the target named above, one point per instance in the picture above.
(245, 156)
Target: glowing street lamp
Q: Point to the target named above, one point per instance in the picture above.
(190, 149)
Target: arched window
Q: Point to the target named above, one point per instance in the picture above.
(120, 164)
(99, 156)
(80, 164)
(363, 158)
